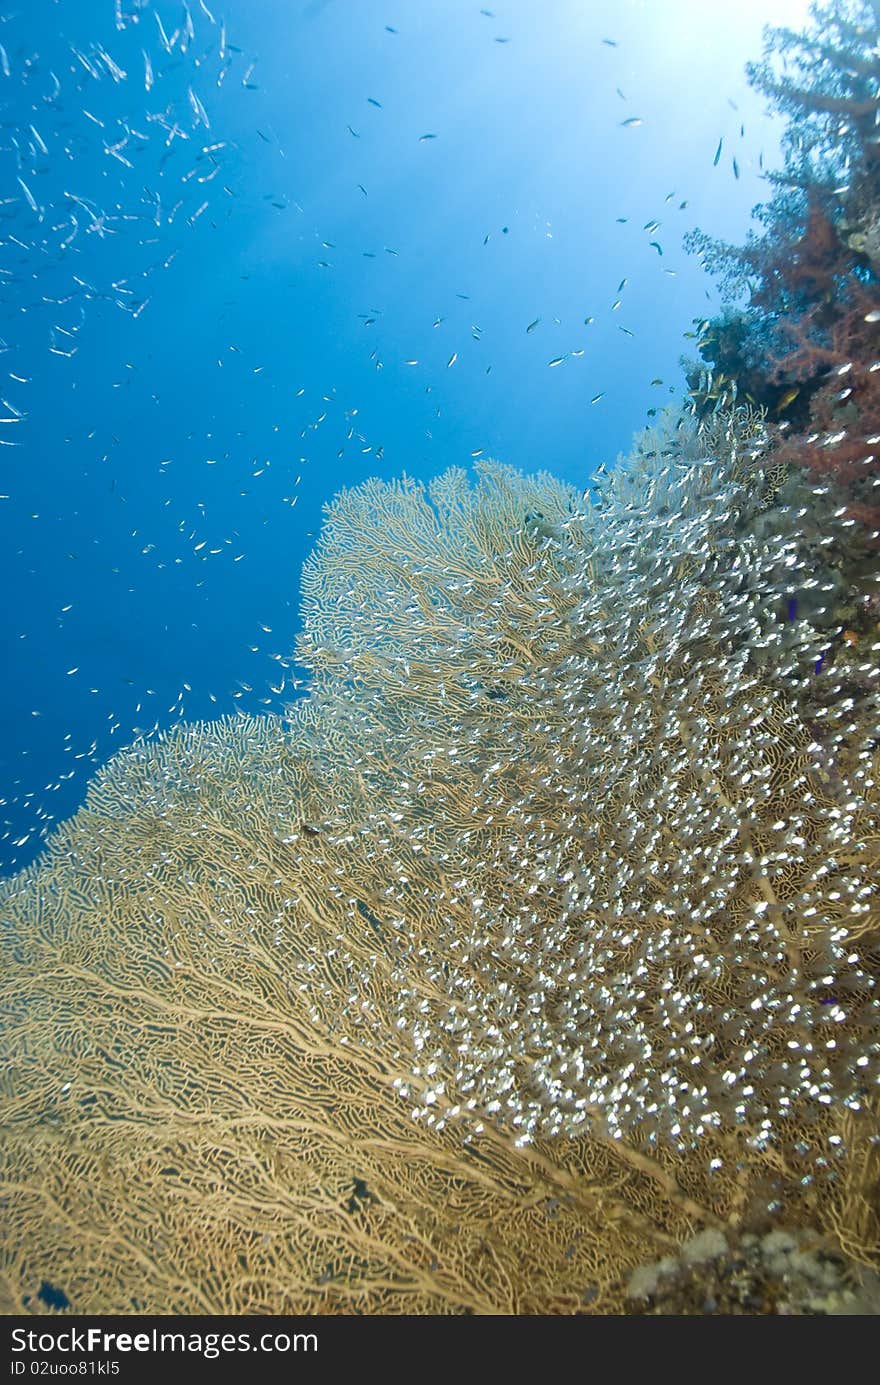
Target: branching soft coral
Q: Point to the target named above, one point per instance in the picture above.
(825, 81)
(810, 337)
(835, 351)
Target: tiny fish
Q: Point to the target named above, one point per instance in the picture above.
(422, 138)
(557, 360)
(373, 102)
(532, 325)
(31, 201)
(596, 397)
(656, 246)
(115, 71)
(198, 109)
(631, 122)
(735, 169)
(452, 359)
(718, 153)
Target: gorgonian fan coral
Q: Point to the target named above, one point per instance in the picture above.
(563, 856)
(641, 817)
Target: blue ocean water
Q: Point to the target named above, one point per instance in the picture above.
(253, 254)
